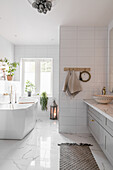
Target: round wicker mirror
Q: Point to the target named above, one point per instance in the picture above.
(85, 76)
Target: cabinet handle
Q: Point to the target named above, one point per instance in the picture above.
(92, 120)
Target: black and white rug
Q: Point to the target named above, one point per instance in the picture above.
(76, 157)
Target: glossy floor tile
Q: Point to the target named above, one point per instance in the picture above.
(40, 151)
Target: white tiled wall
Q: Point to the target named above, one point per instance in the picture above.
(110, 53)
(38, 51)
(81, 47)
(111, 60)
(5, 87)
(6, 49)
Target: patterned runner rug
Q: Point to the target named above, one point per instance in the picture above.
(76, 157)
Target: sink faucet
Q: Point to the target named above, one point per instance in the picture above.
(104, 91)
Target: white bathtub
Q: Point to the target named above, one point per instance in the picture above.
(17, 120)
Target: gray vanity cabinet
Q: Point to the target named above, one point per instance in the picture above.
(109, 126)
(102, 130)
(97, 131)
(109, 147)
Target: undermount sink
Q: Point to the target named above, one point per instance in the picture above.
(103, 99)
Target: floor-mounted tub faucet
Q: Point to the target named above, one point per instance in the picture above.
(10, 95)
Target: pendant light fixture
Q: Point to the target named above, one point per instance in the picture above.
(43, 6)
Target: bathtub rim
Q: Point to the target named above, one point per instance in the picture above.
(20, 108)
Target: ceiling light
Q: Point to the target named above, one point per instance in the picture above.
(43, 6)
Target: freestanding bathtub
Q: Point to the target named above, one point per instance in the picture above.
(17, 120)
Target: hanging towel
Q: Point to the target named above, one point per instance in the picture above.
(74, 84)
(65, 87)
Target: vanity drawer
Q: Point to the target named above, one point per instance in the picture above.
(109, 126)
(97, 131)
(100, 118)
(109, 147)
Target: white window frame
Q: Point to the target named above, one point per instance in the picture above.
(37, 74)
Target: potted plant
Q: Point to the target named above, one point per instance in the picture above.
(29, 87)
(44, 101)
(5, 60)
(11, 69)
(3, 66)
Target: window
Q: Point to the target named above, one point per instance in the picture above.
(39, 72)
(29, 73)
(45, 76)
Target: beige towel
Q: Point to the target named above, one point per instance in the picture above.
(74, 84)
(66, 82)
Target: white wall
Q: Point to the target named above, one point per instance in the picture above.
(6, 49)
(84, 47)
(110, 63)
(110, 28)
(40, 51)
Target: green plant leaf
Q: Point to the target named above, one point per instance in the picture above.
(29, 86)
(44, 101)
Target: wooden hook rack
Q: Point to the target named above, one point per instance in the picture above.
(76, 69)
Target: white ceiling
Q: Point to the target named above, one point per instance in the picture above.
(21, 24)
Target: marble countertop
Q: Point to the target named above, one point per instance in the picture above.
(104, 109)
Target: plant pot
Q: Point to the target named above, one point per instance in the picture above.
(9, 77)
(29, 93)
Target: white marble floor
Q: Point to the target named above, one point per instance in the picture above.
(40, 151)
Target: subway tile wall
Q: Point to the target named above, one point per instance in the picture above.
(111, 60)
(81, 47)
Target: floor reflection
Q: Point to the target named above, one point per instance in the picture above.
(45, 151)
(33, 164)
(40, 151)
